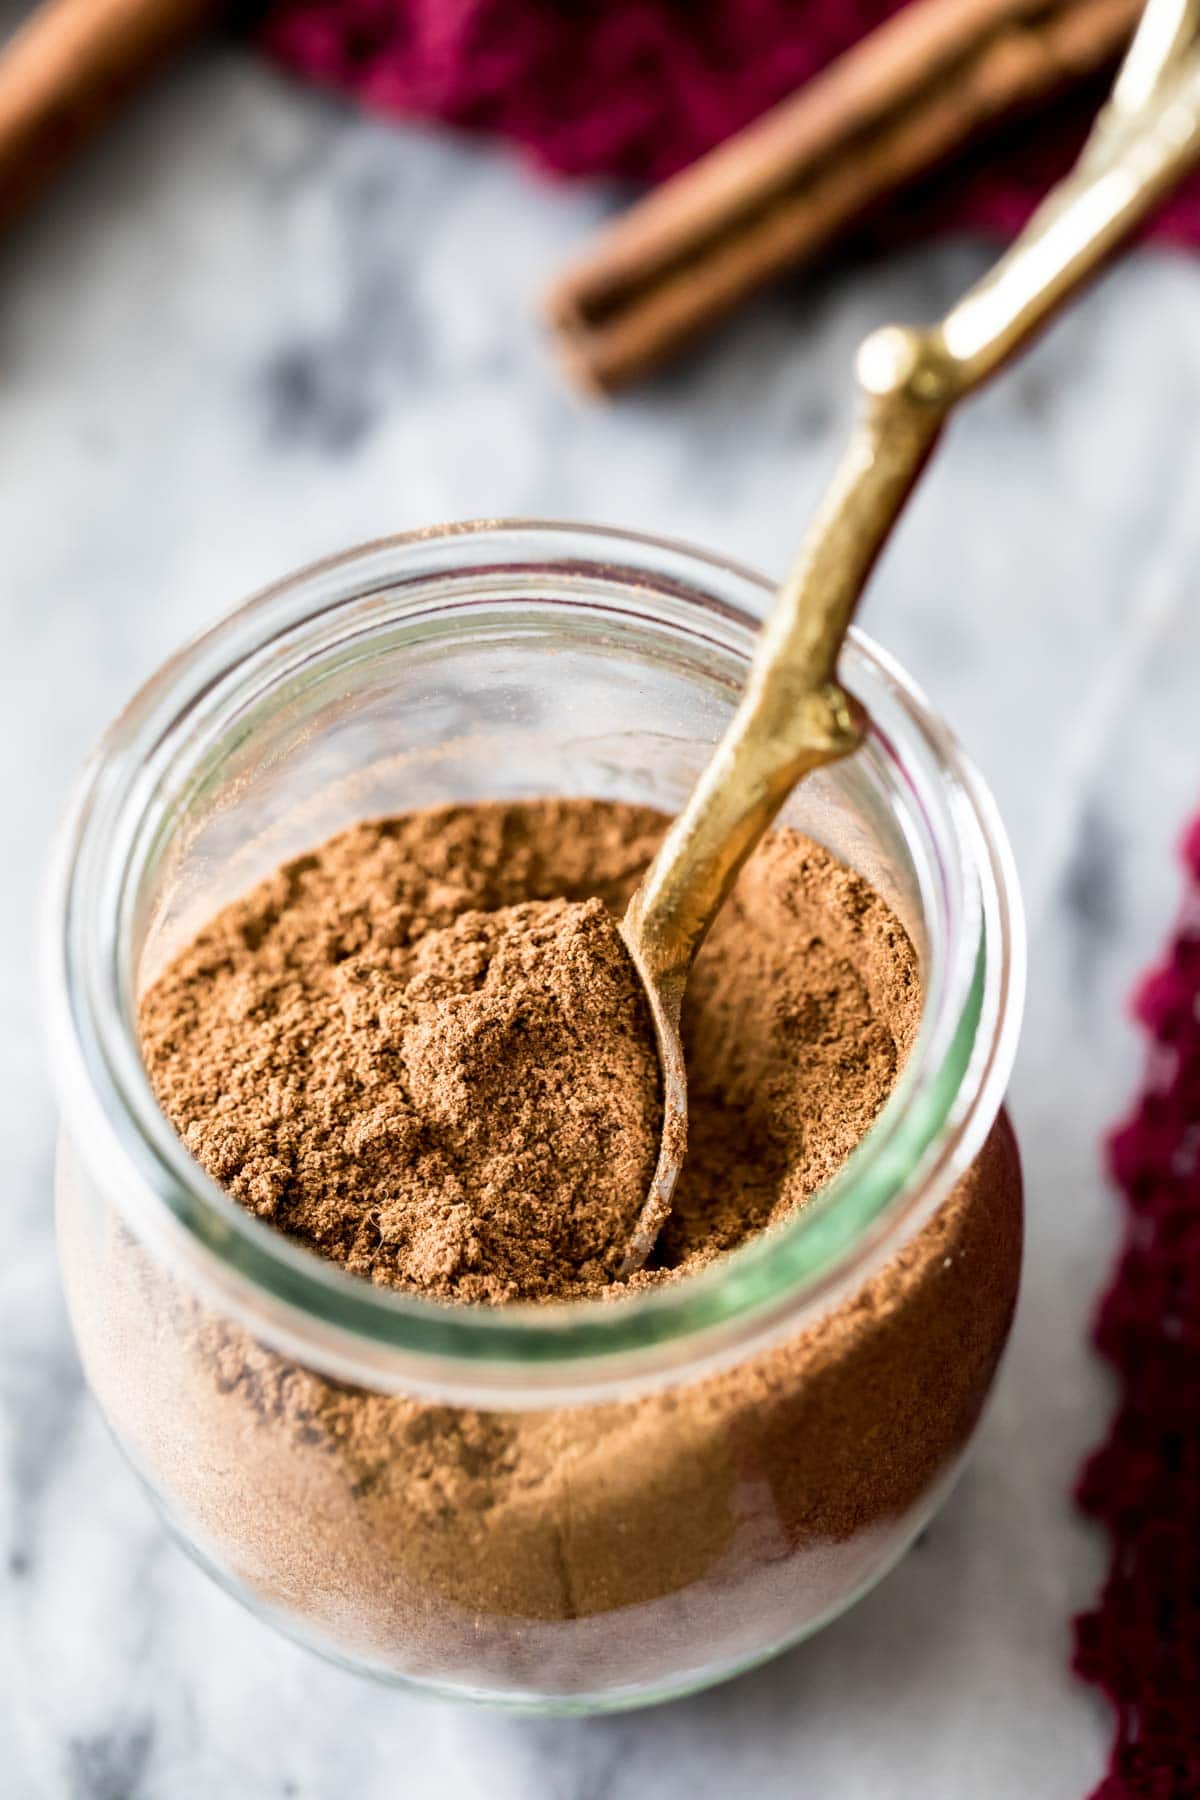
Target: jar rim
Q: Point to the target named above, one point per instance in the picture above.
(928, 1132)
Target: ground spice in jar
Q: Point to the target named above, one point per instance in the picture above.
(409, 1052)
(579, 1547)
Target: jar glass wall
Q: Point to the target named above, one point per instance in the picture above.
(573, 1506)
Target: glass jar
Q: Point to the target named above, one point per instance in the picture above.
(569, 1507)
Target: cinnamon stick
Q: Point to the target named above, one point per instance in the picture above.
(67, 70)
(902, 101)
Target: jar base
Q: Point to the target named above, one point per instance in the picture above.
(562, 1706)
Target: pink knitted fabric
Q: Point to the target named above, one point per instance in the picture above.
(634, 88)
(1141, 1644)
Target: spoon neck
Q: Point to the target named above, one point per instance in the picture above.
(773, 740)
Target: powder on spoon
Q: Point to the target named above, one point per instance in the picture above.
(470, 1110)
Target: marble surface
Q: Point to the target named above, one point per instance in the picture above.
(254, 329)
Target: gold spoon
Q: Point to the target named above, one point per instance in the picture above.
(793, 716)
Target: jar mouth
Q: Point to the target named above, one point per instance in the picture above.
(930, 1129)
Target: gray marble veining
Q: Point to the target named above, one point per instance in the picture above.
(254, 329)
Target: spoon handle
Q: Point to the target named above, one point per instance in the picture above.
(793, 716)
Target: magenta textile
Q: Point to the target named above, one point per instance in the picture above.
(1141, 1644)
(636, 88)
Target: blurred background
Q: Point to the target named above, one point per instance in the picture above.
(253, 325)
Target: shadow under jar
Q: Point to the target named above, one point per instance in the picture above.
(567, 1507)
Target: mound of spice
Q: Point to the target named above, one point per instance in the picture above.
(470, 1110)
(423, 1051)
(575, 1548)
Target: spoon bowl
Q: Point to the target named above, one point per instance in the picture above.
(665, 1012)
